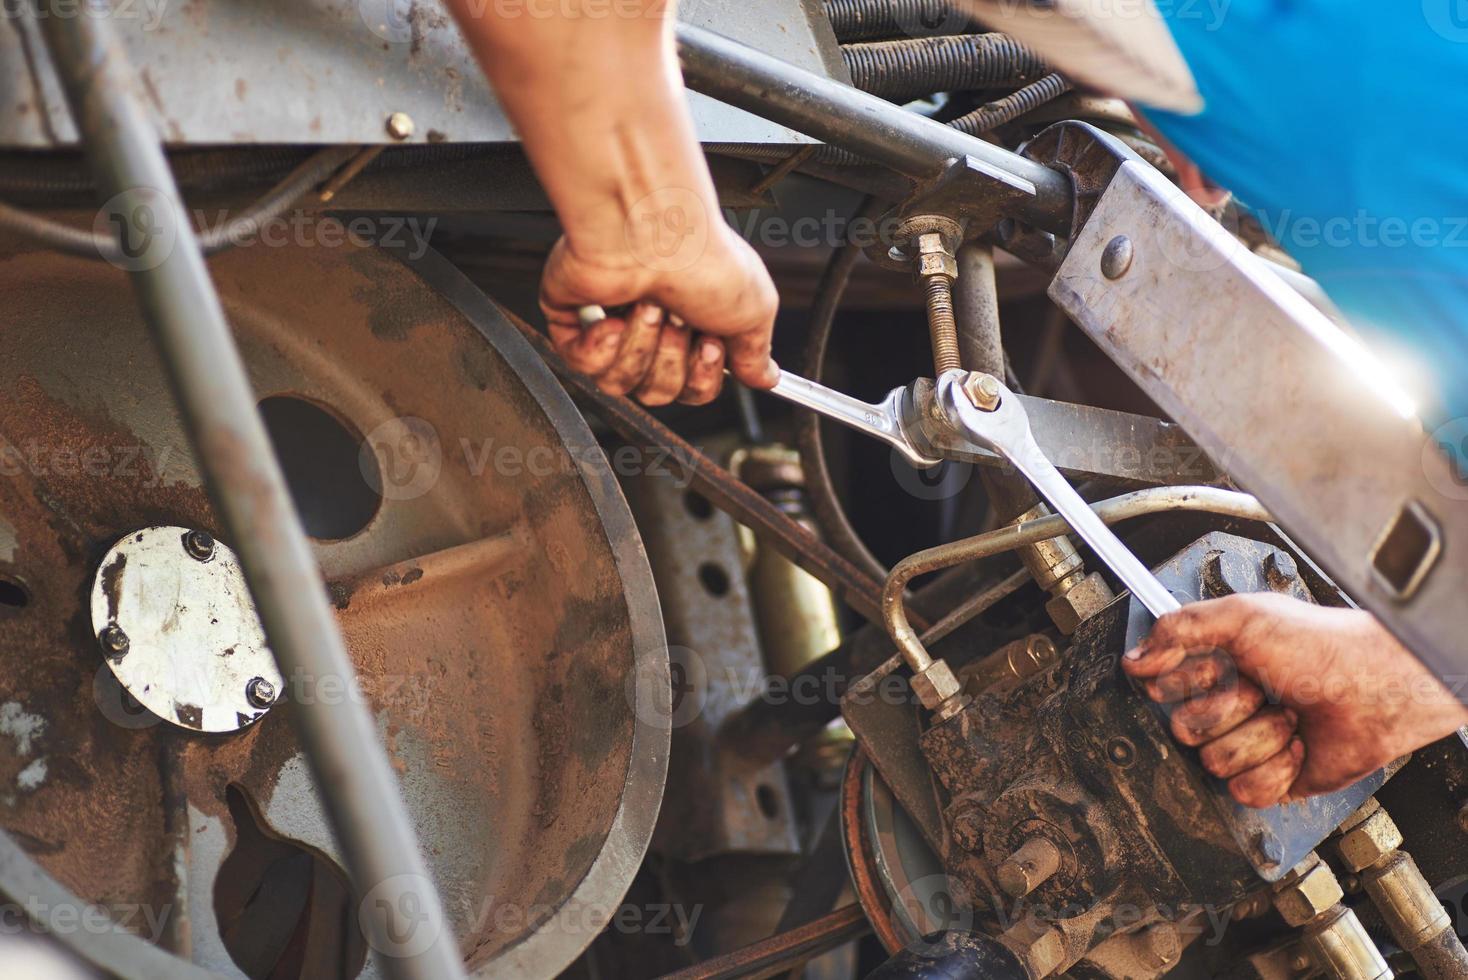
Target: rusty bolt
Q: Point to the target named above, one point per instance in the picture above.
(1280, 570)
(983, 390)
(400, 125)
(114, 641)
(260, 692)
(1028, 868)
(1463, 817)
(1267, 849)
(199, 545)
(1222, 575)
(1116, 258)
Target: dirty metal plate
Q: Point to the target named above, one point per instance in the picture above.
(186, 641)
(511, 685)
(223, 72)
(1288, 406)
(1278, 838)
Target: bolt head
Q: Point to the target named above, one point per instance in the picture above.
(983, 390)
(1280, 570)
(1463, 817)
(400, 125)
(114, 641)
(199, 545)
(260, 692)
(1116, 257)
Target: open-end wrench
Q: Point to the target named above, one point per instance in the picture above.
(994, 418)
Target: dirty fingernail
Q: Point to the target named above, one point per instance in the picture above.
(1135, 653)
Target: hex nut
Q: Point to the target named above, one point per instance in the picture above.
(1041, 953)
(1370, 841)
(935, 685)
(1312, 893)
(1079, 604)
(982, 390)
(937, 264)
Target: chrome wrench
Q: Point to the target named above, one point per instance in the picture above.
(993, 417)
(1000, 426)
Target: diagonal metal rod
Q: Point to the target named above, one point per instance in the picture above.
(402, 913)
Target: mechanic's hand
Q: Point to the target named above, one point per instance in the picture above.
(1288, 699)
(719, 304)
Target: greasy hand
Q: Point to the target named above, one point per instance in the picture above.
(693, 312)
(1286, 699)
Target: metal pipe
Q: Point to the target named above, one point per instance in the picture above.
(878, 130)
(187, 322)
(1139, 503)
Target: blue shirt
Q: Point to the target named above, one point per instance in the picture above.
(1343, 126)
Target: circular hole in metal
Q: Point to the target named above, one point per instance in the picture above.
(769, 802)
(698, 505)
(714, 578)
(323, 461)
(13, 595)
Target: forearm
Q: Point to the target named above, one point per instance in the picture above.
(599, 105)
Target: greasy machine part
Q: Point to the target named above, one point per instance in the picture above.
(497, 606)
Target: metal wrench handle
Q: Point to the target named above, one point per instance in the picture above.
(882, 421)
(1006, 430)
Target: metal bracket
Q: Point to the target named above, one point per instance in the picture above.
(1289, 404)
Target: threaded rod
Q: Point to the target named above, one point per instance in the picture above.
(942, 326)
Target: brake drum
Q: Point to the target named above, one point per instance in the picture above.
(487, 576)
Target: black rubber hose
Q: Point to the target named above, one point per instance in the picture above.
(1012, 106)
(87, 244)
(901, 71)
(953, 956)
(830, 515)
(868, 20)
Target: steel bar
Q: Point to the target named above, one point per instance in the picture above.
(781, 952)
(874, 128)
(723, 490)
(188, 323)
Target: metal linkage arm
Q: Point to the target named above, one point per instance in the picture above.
(183, 311)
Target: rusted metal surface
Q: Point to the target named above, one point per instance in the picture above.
(519, 621)
(782, 952)
(640, 429)
(333, 71)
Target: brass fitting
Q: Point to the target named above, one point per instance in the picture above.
(1028, 868)
(1331, 935)
(1370, 845)
(1079, 603)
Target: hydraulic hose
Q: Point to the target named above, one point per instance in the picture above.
(900, 71)
(868, 20)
